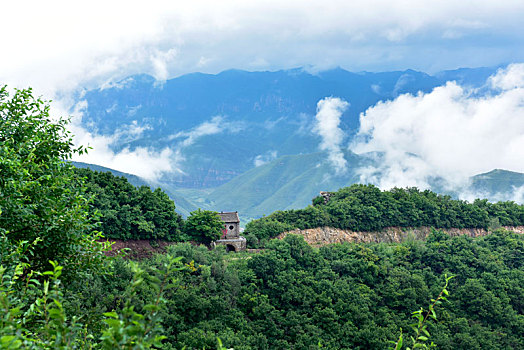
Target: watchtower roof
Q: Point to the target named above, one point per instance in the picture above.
(229, 216)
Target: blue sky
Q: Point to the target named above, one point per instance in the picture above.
(64, 45)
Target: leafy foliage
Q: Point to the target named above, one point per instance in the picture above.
(43, 217)
(203, 226)
(292, 296)
(34, 316)
(421, 328)
(130, 328)
(367, 208)
(41, 200)
(128, 212)
(350, 296)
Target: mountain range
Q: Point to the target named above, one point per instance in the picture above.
(225, 124)
(244, 140)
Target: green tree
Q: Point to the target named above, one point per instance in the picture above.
(203, 226)
(128, 212)
(41, 200)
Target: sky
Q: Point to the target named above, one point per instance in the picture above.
(65, 45)
(62, 47)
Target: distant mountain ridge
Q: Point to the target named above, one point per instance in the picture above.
(497, 181)
(133, 179)
(245, 118)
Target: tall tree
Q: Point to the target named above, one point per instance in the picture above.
(41, 200)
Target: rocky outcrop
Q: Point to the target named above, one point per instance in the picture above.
(327, 235)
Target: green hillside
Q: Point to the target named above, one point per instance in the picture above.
(291, 181)
(183, 206)
(367, 208)
(497, 181)
(129, 212)
(285, 183)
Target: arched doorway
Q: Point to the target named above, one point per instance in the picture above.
(230, 248)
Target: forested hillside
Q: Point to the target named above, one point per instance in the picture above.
(344, 296)
(129, 212)
(367, 208)
(126, 212)
(183, 206)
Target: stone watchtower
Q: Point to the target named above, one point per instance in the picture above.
(231, 225)
(231, 232)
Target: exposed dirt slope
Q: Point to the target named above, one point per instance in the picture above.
(142, 249)
(138, 248)
(327, 235)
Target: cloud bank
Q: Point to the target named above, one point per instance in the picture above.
(329, 111)
(145, 162)
(451, 132)
(516, 195)
(62, 45)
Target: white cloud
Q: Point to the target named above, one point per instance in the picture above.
(262, 159)
(142, 161)
(146, 162)
(61, 45)
(161, 60)
(216, 125)
(131, 110)
(510, 78)
(450, 132)
(270, 124)
(329, 111)
(375, 88)
(121, 84)
(516, 195)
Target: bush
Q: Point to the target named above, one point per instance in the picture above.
(266, 228)
(203, 226)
